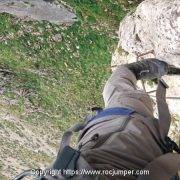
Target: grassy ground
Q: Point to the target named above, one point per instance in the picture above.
(50, 76)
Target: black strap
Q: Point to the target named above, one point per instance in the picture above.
(66, 160)
(171, 145)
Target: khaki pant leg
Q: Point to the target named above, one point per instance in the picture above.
(120, 91)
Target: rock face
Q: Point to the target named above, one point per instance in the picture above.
(39, 10)
(154, 27)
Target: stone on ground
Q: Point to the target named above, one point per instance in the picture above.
(39, 10)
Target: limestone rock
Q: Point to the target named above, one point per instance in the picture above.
(154, 27)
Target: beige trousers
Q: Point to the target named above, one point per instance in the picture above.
(120, 91)
(122, 142)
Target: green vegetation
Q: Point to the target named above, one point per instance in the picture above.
(64, 78)
(57, 73)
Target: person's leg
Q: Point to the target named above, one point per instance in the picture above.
(120, 91)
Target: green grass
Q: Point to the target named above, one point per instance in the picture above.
(64, 78)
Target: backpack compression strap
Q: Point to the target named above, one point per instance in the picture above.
(163, 109)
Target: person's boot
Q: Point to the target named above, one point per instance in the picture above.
(151, 69)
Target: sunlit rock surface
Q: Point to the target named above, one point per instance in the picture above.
(154, 28)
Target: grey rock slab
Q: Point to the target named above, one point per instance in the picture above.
(39, 10)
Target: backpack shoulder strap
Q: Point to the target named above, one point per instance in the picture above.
(164, 167)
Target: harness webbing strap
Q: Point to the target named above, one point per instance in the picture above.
(163, 110)
(66, 138)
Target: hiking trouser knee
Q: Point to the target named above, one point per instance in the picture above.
(120, 91)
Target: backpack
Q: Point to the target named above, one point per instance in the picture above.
(70, 162)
